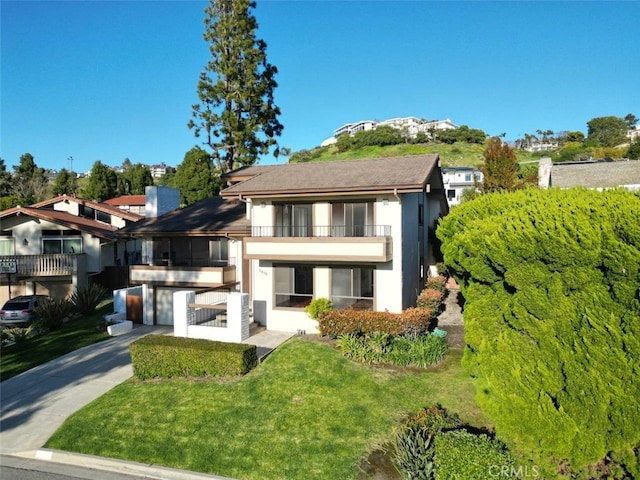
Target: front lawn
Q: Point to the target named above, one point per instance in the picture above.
(306, 412)
(73, 335)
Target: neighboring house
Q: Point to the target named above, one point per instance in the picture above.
(195, 248)
(158, 171)
(542, 146)
(55, 245)
(457, 179)
(634, 134)
(597, 174)
(357, 232)
(128, 203)
(355, 127)
(411, 125)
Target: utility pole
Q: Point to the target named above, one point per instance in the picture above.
(70, 160)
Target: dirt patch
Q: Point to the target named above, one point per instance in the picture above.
(378, 466)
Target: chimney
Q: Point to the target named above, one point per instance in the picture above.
(160, 200)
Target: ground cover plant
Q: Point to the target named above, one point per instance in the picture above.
(305, 412)
(72, 335)
(552, 323)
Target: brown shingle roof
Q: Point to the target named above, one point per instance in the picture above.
(89, 203)
(595, 174)
(211, 216)
(353, 176)
(65, 219)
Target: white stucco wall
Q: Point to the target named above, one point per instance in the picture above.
(388, 278)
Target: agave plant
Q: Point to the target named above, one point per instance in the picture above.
(86, 299)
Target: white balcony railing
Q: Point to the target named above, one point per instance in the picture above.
(43, 265)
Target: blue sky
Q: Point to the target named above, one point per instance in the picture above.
(109, 80)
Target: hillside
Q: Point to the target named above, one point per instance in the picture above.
(456, 155)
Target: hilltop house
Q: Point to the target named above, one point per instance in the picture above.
(54, 246)
(357, 232)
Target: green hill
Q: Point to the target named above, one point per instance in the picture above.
(456, 155)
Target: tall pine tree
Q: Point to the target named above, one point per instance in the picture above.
(236, 115)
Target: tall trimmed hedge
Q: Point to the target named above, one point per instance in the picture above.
(551, 280)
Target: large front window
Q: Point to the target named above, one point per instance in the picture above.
(61, 245)
(293, 285)
(352, 220)
(352, 288)
(293, 220)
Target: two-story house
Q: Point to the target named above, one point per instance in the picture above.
(52, 247)
(357, 232)
(457, 180)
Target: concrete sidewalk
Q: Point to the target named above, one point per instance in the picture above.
(35, 403)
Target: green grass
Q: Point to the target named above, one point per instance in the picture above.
(73, 335)
(456, 155)
(306, 412)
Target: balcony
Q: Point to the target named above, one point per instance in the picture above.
(165, 272)
(335, 243)
(51, 265)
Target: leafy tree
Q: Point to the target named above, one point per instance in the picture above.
(462, 134)
(380, 136)
(126, 165)
(500, 167)
(103, 183)
(345, 142)
(5, 180)
(30, 181)
(550, 280)
(571, 151)
(236, 114)
(134, 180)
(633, 151)
(631, 120)
(576, 136)
(196, 177)
(607, 131)
(66, 183)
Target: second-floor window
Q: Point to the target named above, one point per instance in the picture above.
(293, 220)
(352, 219)
(51, 245)
(7, 245)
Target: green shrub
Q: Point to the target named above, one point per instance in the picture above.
(52, 312)
(341, 322)
(415, 442)
(552, 322)
(86, 299)
(318, 307)
(406, 350)
(463, 455)
(165, 357)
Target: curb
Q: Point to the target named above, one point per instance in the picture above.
(123, 467)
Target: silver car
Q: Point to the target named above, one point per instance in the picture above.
(19, 310)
